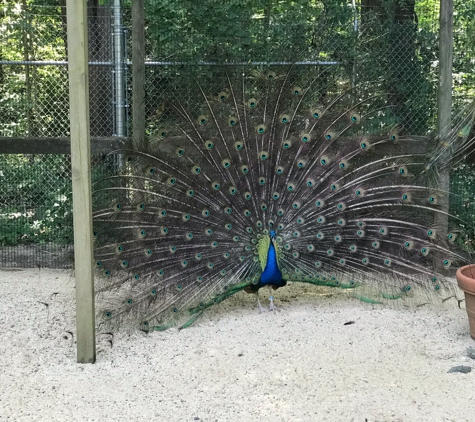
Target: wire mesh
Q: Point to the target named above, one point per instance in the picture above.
(363, 44)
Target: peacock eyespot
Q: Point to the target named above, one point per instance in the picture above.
(447, 263)
(232, 121)
(320, 219)
(106, 273)
(296, 90)
(163, 134)
(226, 255)
(228, 226)
(108, 314)
(252, 103)
(172, 249)
(432, 199)
(117, 206)
(280, 212)
(279, 170)
(244, 169)
(216, 185)
(342, 261)
(160, 273)
(318, 264)
(247, 213)
(341, 222)
(205, 213)
(286, 144)
(364, 145)
(223, 272)
(98, 264)
(328, 136)
(209, 144)
(375, 244)
(184, 263)
(353, 248)
(186, 217)
(202, 120)
(232, 190)
(365, 261)
(261, 129)
(151, 170)
(196, 169)
(355, 118)
(136, 277)
(305, 137)
(222, 96)
(330, 252)
(189, 235)
(387, 262)
(238, 146)
(316, 114)
(129, 301)
(319, 203)
(262, 181)
(296, 205)
(190, 193)
(153, 292)
(275, 196)
(407, 288)
(179, 286)
(148, 252)
(263, 155)
(247, 196)
(142, 233)
(338, 238)
(290, 187)
(199, 279)
(171, 181)
(164, 230)
(271, 75)
(180, 152)
(208, 232)
(198, 256)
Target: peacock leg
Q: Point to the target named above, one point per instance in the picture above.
(261, 308)
(272, 306)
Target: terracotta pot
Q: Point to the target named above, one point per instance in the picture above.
(466, 281)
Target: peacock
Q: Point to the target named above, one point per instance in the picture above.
(270, 175)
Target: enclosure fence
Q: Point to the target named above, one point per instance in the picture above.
(35, 170)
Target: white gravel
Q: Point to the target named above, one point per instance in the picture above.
(234, 364)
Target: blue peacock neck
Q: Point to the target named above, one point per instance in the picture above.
(268, 256)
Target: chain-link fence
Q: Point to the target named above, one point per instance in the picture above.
(363, 43)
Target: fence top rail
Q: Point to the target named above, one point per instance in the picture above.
(167, 63)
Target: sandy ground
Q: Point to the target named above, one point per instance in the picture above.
(299, 364)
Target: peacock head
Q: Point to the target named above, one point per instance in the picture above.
(272, 234)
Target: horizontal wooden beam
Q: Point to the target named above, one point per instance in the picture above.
(99, 145)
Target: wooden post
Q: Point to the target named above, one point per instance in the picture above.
(138, 72)
(444, 116)
(445, 66)
(81, 178)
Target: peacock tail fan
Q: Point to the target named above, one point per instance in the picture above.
(265, 176)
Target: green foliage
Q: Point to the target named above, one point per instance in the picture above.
(43, 187)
